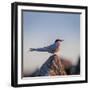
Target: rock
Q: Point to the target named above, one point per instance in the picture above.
(55, 66)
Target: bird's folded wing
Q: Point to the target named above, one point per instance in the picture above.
(44, 49)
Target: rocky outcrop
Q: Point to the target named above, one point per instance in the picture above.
(55, 66)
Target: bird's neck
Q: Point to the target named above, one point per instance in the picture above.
(57, 53)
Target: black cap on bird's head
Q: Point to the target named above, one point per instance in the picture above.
(58, 40)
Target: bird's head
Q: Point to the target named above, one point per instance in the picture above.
(58, 42)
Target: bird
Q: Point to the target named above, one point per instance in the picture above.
(53, 48)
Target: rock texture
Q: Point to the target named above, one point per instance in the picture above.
(55, 66)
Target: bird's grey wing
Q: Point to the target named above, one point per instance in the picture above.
(44, 49)
(51, 48)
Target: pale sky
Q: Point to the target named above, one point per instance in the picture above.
(41, 29)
